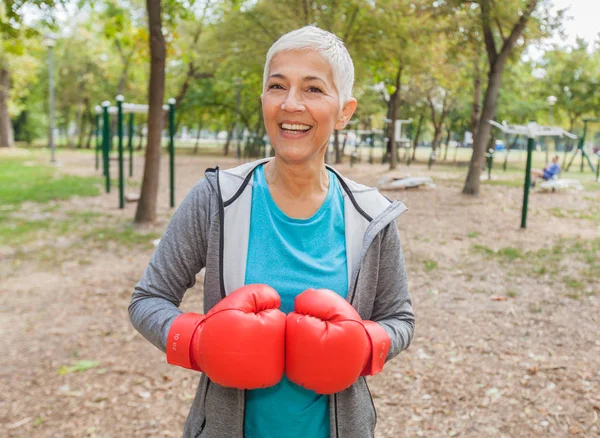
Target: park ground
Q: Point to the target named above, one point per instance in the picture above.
(506, 341)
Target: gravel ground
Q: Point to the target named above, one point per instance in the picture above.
(505, 345)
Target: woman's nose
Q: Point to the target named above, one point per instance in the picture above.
(292, 102)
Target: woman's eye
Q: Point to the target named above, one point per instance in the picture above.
(275, 87)
(315, 90)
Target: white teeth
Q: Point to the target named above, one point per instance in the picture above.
(289, 127)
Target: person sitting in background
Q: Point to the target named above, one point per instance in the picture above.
(549, 172)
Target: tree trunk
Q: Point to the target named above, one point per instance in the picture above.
(497, 60)
(448, 137)
(86, 118)
(6, 134)
(416, 139)
(228, 141)
(476, 98)
(88, 142)
(81, 130)
(510, 146)
(386, 155)
(483, 132)
(395, 98)
(437, 137)
(146, 209)
(336, 147)
(123, 78)
(197, 145)
(140, 138)
(79, 116)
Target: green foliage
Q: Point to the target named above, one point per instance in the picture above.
(102, 49)
(551, 261)
(430, 265)
(573, 76)
(504, 182)
(22, 181)
(126, 235)
(16, 232)
(12, 13)
(535, 308)
(79, 367)
(592, 213)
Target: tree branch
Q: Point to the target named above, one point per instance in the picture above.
(272, 36)
(490, 44)
(497, 21)
(204, 75)
(350, 25)
(435, 124)
(518, 29)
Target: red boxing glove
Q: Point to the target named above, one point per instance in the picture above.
(328, 345)
(239, 343)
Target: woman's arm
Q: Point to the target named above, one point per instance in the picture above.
(393, 307)
(180, 255)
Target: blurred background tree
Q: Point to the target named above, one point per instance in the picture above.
(450, 65)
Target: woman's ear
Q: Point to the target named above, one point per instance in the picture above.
(347, 112)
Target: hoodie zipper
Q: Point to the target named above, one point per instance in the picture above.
(221, 233)
(223, 293)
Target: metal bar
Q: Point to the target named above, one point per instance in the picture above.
(105, 144)
(530, 146)
(172, 150)
(52, 144)
(98, 145)
(130, 144)
(120, 137)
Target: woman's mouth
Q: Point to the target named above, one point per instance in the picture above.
(294, 130)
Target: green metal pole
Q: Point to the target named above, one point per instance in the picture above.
(530, 146)
(120, 137)
(490, 161)
(130, 144)
(97, 135)
(172, 149)
(582, 143)
(598, 169)
(105, 143)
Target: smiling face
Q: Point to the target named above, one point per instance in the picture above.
(301, 106)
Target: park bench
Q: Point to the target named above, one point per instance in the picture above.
(555, 184)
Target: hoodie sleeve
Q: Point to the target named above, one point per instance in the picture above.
(172, 270)
(393, 306)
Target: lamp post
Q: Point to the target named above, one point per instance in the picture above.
(238, 152)
(50, 42)
(551, 101)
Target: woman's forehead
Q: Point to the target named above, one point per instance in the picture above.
(306, 64)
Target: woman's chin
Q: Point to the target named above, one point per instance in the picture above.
(298, 154)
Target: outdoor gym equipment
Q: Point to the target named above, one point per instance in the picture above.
(581, 149)
(129, 108)
(409, 182)
(532, 130)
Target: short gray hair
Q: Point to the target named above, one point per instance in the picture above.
(329, 46)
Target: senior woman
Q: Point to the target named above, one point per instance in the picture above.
(305, 290)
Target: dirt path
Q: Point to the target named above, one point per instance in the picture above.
(506, 343)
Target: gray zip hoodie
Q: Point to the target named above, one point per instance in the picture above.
(210, 229)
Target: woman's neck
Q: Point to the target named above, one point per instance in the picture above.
(299, 181)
